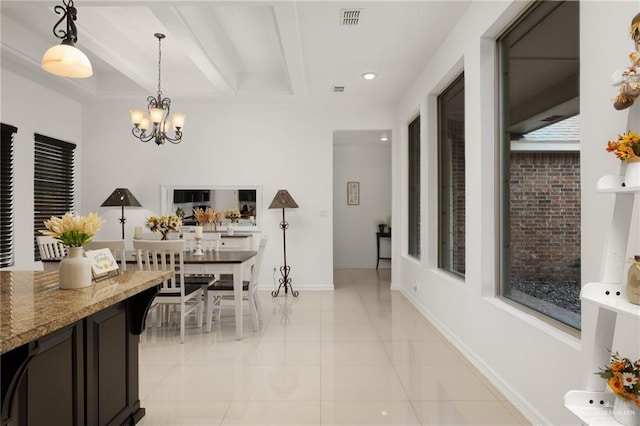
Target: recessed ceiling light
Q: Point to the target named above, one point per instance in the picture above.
(384, 138)
(369, 75)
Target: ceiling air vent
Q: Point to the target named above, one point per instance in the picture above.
(350, 17)
(338, 89)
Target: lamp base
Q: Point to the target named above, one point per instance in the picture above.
(285, 282)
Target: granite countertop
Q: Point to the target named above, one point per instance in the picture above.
(32, 305)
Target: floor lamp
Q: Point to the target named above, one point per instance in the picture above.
(121, 197)
(283, 200)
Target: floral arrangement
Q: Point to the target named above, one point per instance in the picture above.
(232, 214)
(72, 230)
(622, 377)
(626, 147)
(206, 216)
(164, 224)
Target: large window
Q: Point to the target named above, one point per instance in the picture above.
(451, 179)
(53, 181)
(414, 189)
(6, 195)
(540, 167)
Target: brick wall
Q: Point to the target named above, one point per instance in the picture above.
(545, 216)
(456, 129)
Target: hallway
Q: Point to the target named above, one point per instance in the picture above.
(361, 355)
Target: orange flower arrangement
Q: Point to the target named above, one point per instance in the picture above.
(626, 147)
(622, 376)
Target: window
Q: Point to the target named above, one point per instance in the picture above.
(451, 179)
(6, 195)
(53, 181)
(540, 161)
(414, 188)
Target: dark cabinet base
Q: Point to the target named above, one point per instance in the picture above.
(83, 374)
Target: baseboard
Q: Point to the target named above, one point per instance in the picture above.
(520, 403)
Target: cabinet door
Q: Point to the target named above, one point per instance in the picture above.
(51, 391)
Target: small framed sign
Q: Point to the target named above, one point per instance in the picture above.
(353, 193)
(102, 263)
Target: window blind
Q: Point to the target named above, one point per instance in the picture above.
(6, 195)
(53, 181)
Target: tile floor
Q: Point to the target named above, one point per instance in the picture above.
(361, 355)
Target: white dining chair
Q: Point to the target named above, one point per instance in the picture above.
(50, 248)
(223, 289)
(169, 255)
(117, 247)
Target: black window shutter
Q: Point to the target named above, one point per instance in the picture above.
(6, 195)
(53, 181)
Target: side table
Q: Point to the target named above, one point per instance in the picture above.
(378, 236)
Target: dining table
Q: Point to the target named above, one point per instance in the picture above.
(209, 263)
(222, 262)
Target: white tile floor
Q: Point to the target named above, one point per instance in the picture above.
(361, 355)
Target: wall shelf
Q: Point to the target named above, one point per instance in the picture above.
(594, 406)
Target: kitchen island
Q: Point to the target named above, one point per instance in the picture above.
(70, 357)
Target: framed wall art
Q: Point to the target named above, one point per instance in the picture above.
(353, 193)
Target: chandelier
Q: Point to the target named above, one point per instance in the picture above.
(156, 125)
(65, 59)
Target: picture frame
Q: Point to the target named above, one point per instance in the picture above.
(353, 193)
(102, 263)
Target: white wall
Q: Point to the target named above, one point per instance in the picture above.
(276, 145)
(532, 362)
(33, 108)
(354, 226)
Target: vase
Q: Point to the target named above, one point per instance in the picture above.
(633, 281)
(632, 173)
(74, 270)
(230, 228)
(626, 412)
(164, 236)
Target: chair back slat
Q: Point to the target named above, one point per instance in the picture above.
(50, 248)
(162, 256)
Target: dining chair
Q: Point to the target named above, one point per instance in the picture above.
(223, 289)
(50, 248)
(117, 248)
(169, 255)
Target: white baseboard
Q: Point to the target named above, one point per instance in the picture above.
(520, 403)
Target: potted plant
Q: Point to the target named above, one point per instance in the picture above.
(623, 377)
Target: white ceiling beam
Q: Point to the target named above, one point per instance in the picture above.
(206, 48)
(286, 16)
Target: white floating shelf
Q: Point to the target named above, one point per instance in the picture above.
(610, 296)
(614, 184)
(593, 408)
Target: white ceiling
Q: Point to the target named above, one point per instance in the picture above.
(234, 50)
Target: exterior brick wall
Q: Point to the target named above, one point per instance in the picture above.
(545, 216)
(456, 129)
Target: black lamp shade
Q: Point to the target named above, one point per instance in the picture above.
(121, 197)
(283, 200)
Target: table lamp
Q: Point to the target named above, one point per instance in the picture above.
(283, 200)
(121, 197)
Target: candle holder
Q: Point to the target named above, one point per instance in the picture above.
(198, 251)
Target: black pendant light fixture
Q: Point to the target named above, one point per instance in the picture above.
(156, 125)
(65, 59)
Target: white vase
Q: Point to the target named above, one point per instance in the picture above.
(74, 270)
(632, 174)
(230, 228)
(626, 412)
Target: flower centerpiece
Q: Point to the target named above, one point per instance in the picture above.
(74, 232)
(164, 224)
(207, 217)
(232, 214)
(622, 376)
